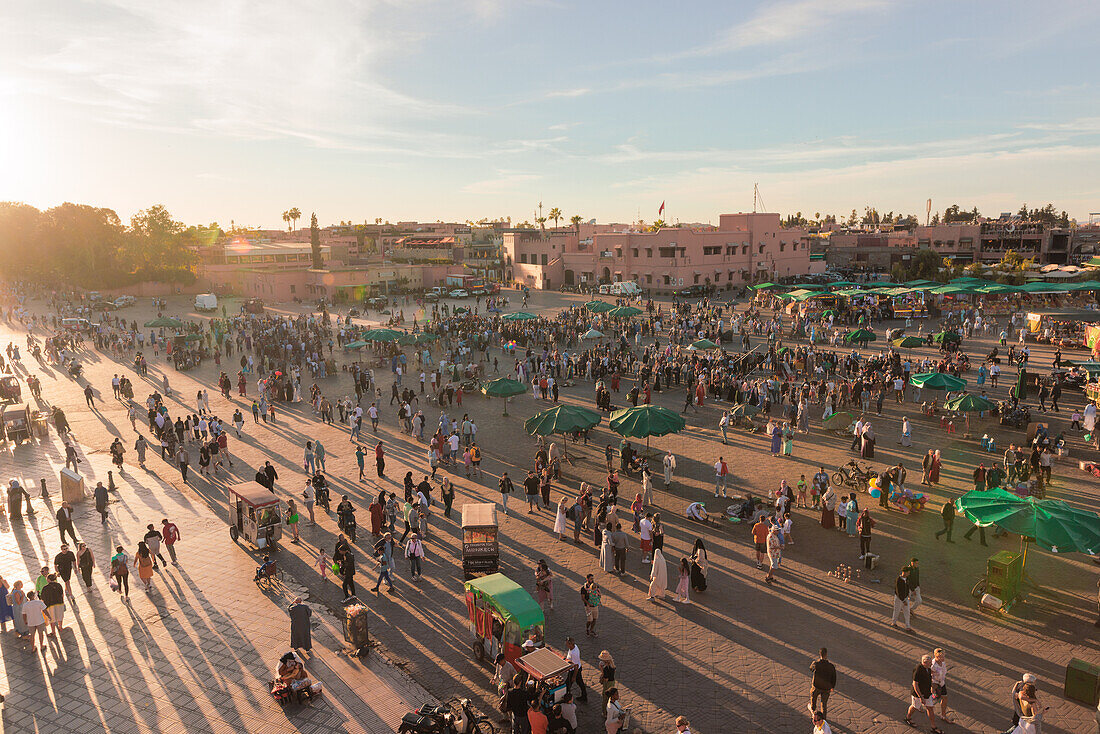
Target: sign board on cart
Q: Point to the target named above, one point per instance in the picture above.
(72, 486)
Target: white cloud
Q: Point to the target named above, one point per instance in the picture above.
(505, 182)
(783, 22)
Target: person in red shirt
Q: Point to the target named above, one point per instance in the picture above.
(170, 534)
(538, 721)
(760, 538)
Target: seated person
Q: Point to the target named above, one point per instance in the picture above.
(697, 511)
(264, 568)
(290, 674)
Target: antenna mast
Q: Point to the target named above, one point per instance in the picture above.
(757, 198)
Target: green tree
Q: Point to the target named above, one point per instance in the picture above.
(315, 241)
(286, 218)
(924, 265)
(575, 220)
(556, 215)
(295, 214)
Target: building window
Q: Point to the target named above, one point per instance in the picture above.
(544, 258)
(744, 249)
(634, 252)
(649, 252)
(292, 289)
(666, 278)
(696, 280)
(712, 250)
(666, 251)
(782, 246)
(619, 252)
(760, 249)
(648, 278)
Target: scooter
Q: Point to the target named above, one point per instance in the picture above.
(75, 369)
(320, 490)
(432, 719)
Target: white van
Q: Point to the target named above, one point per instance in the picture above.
(626, 288)
(206, 302)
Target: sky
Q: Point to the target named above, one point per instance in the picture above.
(236, 110)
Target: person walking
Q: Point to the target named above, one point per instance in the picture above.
(775, 553)
(822, 683)
(939, 681)
(120, 572)
(85, 561)
(100, 494)
(947, 513)
(901, 600)
(506, 488)
(658, 577)
(914, 585)
(53, 596)
(921, 694)
(292, 519)
(63, 564)
(183, 459)
(615, 713)
(721, 475)
(592, 597)
(33, 614)
(309, 498)
(347, 573)
(414, 551)
(65, 522)
(607, 675)
(300, 635)
(669, 465)
(170, 533)
(153, 540)
(143, 561)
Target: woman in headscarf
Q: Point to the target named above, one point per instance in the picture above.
(828, 508)
(788, 440)
(607, 550)
(559, 519)
(906, 432)
(867, 450)
(658, 577)
(934, 471)
(926, 468)
(699, 566)
(776, 436)
(852, 515)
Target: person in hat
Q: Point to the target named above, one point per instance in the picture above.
(607, 675)
(1017, 689)
(414, 551)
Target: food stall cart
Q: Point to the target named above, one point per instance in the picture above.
(254, 514)
(549, 671)
(503, 616)
(480, 549)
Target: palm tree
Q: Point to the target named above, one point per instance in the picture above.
(295, 214)
(541, 221)
(575, 220)
(658, 225)
(556, 215)
(286, 218)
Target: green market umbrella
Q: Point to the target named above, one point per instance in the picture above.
(503, 387)
(381, 335)
(828, 312)
(518, 316)
(967, 403)
(765, 286)
(164, 322)
(592, 334)
(358, 344)
(908, 342)
(704, 344)
(946, 336)
(1021, 384)
(937, 381)
(562, 419)
(598, 306)
(644, 421)
(841, 284)
(1053, 524)
(860, 335)
(839, 421)
(624, 311)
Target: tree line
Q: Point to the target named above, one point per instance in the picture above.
(91, 247)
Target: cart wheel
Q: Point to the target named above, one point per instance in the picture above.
(233, 533)
(479, 651)
(979, 588)
(484, 726)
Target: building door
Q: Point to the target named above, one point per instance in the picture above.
(569, 277)
(606, 277)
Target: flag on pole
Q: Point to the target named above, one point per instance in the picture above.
(661, 209)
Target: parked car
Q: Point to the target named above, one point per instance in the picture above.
(378, 302)
(253, 305)
(692, 291)
(459, 293)
(124, 301)
(431, 297)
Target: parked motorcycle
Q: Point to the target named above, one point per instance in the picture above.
(432, 719)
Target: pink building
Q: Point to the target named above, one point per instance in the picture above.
(742, 249)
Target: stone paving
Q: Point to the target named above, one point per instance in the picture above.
(734, 660)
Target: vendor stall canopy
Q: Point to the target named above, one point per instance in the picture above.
(512, 599)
